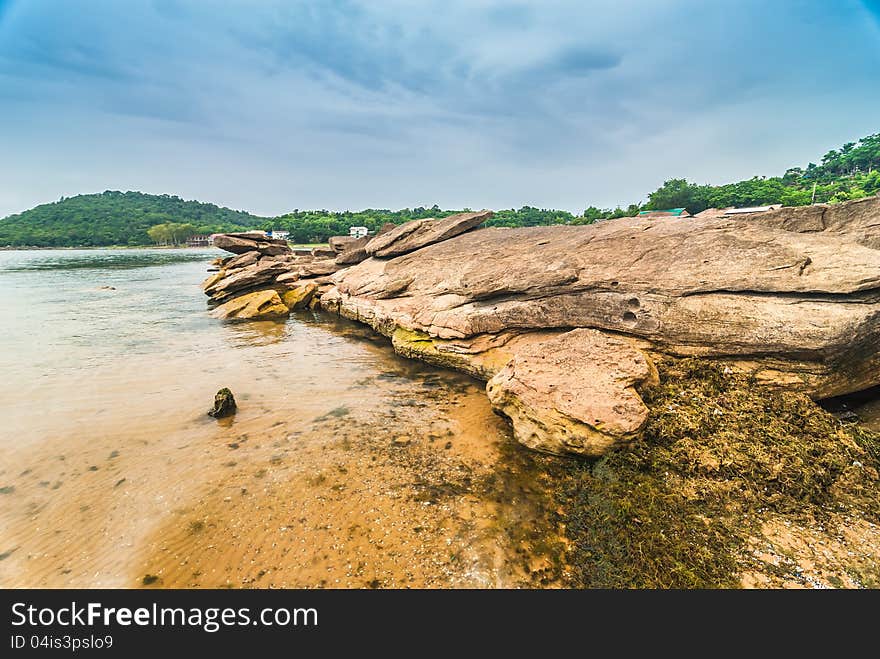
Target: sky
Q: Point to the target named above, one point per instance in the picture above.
(268, 106)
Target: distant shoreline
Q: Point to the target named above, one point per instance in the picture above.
(28, 249)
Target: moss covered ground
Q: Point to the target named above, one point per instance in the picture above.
(687, 505)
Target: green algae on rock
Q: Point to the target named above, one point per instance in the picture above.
(683, 506)
(251, 306)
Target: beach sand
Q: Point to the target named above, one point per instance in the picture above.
(402, 480)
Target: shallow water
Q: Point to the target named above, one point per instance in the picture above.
(345, 466)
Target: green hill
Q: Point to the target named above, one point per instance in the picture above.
(115, 218)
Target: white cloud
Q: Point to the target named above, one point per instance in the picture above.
(276, 105)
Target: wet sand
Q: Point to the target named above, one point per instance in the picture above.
(345, 466)
(404, 497)
(426, 489)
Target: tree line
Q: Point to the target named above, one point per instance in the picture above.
(851, 172)
(135, 218)
(317, 226)
(171, 233)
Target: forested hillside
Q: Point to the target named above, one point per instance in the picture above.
(115, 218)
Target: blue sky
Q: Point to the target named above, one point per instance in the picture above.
(268, 105)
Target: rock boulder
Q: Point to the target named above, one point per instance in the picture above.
(257, 305)
(224, 404)
(354, 252)
(573, 393)
(243, 279)
(415, 234)
(240, 243)
(299, 295)
(340, 243)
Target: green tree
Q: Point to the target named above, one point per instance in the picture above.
(160, 234)
(180, 232)
(678, 193)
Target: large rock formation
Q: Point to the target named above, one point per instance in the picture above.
(791, 296)
(255, 284)
(263, 263)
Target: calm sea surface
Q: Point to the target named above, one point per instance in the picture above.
(92, 335)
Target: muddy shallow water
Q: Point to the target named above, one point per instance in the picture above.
(346, 466)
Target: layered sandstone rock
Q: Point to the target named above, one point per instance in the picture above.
(226, 284)
(564, 322)
(354, 252)
(574, 392)
(252, 306)
(241, 243)
(257, 285)
(340, 243)
(413, 235)
(855, 221)
(242, 260)
(791, 295)
(299, 295)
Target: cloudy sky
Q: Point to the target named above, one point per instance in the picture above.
(272, 105)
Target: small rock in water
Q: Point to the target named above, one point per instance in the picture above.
(224, 404)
